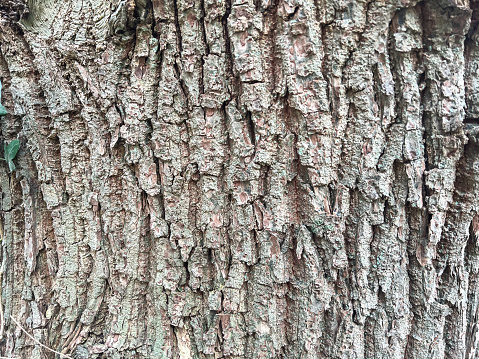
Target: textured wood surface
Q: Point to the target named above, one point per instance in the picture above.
(241, 179)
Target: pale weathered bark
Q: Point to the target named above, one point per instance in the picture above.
(241, 179)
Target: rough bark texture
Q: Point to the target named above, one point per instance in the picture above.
(241, 179)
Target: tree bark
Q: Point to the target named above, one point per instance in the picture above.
(241, 179)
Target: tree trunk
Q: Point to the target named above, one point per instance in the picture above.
(240, 179)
